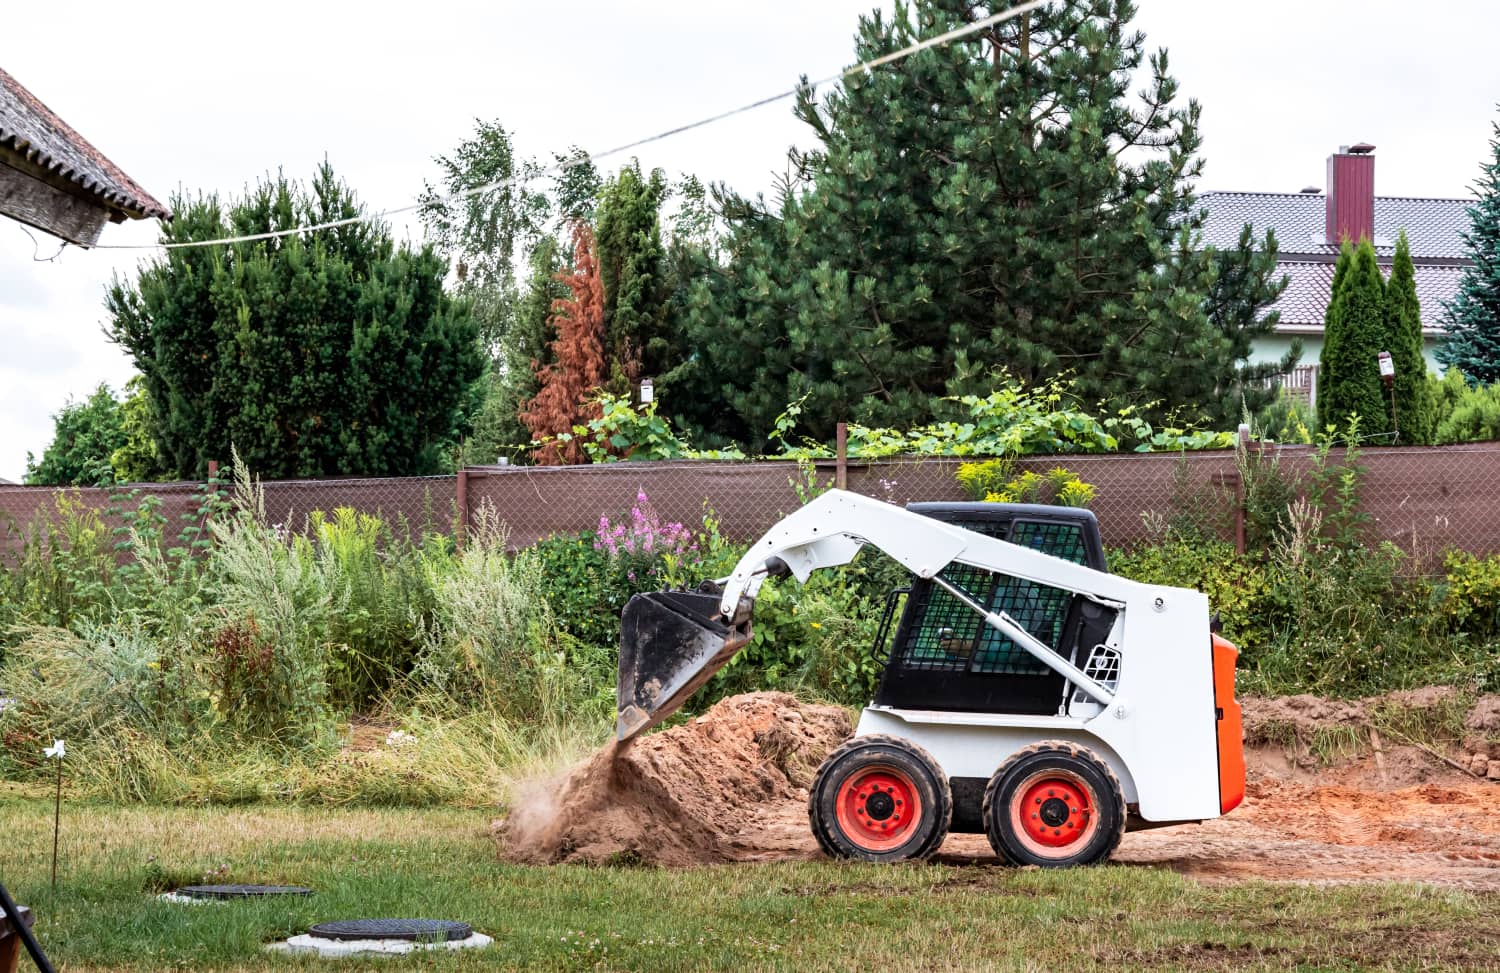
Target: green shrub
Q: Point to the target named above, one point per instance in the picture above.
(980, 479)
(1465, 413)
(1468, 597)
(1285, 419)
(1237, 586)
(815, 638)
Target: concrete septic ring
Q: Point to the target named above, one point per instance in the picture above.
(356, 937)
(205, 894)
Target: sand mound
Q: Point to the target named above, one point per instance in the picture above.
(729, 786)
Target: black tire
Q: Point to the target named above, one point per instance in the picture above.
(1074, 807)
(880, 799)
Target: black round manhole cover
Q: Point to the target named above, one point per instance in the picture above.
(426, 930)
(239, 891)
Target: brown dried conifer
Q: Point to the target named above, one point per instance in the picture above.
(568, 384)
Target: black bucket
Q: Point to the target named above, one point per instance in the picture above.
(671, 642)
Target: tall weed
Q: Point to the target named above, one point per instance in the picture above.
(492, 639)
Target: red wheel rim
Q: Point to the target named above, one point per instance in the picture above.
(1052, 813)
(878, 808)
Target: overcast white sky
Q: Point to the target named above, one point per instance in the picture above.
(212, 96)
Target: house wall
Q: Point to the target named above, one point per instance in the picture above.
(1272, 347)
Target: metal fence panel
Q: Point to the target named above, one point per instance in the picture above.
(1425, 499)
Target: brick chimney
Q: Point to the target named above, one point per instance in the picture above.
(1350, 206)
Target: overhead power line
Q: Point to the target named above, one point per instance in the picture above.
(585, 157)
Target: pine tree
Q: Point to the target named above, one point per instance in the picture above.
(998, 203)
(1472, 318)
(314, 354)
(1349, 379)
(569, 382)
(1413, 416)
(1245, 283)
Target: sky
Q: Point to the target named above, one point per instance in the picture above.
(195, 96)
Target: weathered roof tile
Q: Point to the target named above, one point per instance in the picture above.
(31, 130)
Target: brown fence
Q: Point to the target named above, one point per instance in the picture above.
(1424, 499)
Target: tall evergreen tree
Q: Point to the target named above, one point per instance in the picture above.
(1332, 323)
(1472, 318)
(632, 266)
(1413, 416)
(314, 354)
(1349, 377)
(999, 202)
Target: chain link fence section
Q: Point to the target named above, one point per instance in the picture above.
(748, 497)
(409, 506)
(25, 511)
(535, 502)
(1426, 500)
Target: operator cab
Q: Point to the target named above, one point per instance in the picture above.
(944, 657)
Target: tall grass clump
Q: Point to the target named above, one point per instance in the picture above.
(491, 640)
(379, 593)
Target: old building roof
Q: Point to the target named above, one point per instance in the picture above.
(1303, 303)
(31, 131)
(1434, 227)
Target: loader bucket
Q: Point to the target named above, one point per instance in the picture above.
(671, 642)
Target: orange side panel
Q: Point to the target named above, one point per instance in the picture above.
(1231, 733)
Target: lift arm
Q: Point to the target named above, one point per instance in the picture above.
(673, 642)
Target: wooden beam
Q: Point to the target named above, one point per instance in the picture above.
(35, 203)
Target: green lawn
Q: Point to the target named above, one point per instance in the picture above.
(442, 864)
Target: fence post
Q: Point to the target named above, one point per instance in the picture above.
(1239, 490)
(841, 456)
(461, 500)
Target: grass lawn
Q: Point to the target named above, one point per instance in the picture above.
(441, 864)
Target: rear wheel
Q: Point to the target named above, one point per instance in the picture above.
(1054, 804)
(880, 798)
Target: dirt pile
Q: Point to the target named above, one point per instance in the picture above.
(1398, 739)
(731, 785)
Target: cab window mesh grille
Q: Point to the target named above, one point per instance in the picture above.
(953, 638)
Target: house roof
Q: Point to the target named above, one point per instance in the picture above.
(31, 130)
(1309, 283)
(1434, 227)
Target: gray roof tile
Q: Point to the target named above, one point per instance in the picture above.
(1310, 283)
(1434, 227)
(30, 129)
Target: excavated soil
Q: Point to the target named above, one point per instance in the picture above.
(732, 786)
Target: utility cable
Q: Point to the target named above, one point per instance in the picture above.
(940, 40)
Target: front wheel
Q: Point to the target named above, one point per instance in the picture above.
(880, 798)
(1054, 804)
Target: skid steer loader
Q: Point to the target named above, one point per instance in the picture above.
(1026, 694)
